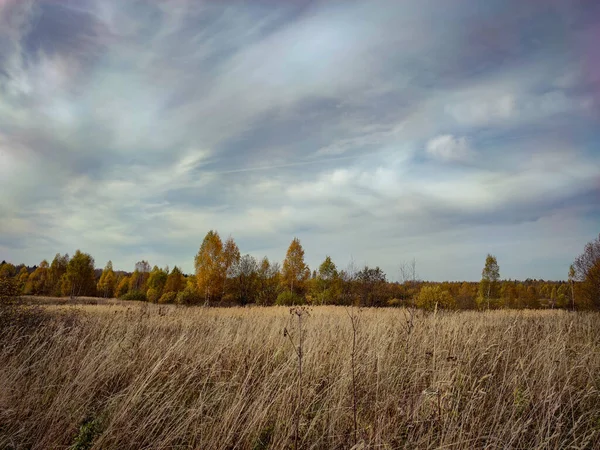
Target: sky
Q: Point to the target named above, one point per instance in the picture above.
(374, 131)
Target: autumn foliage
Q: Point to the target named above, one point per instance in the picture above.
(223, 276)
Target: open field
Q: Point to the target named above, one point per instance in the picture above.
(125, 375)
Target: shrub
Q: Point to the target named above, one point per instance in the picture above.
(289, 298)
(134, 295)
(189, 296)
(394, 302)
(430, 295)
(168, 297)
(153, 295)
(87, 433)
(229, 300)
(8, 290)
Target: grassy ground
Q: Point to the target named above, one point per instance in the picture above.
(126, 375)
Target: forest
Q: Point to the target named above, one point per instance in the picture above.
(225, 277)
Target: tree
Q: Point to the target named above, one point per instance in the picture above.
(229, 260)
(139, 278)
(572, 285)
(295, 271)
(157, 280)
(586, 276)
(123, 287)
(408, 278)
(58, 269)
(488, 287)
(553, 297)
(231, 256)
(38, 282)
(467, 294)
(371, 286)
(8, 290)
(80, 279)
(7, 270)
(22, 278)
(108, 281)
(244, 280)
(430, 296)
(325, 283)
(213, 264)
(175, 281)
(208, 266)
(269, 282)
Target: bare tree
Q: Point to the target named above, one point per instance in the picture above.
(586, 272)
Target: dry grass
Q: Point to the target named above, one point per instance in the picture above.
(117, 376)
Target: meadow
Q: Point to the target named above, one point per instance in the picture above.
(119, 375)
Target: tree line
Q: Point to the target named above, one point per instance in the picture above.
(223, 276)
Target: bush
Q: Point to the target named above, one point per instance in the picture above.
(394, 302)
(289, 298)
(229, 300)
(8, 290)
(134, 295)
(168, 297)
(432, 295)
(152, 295)
(189, 296)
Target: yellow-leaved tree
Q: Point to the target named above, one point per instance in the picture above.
(213, 263)
(175, 281)
(108, 282)
(295, 271)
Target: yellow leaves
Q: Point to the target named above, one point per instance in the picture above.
(430, 296)
(295, 270)
(213, 263)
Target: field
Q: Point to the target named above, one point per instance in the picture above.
(118, 375)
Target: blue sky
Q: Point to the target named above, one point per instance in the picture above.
(372, 130)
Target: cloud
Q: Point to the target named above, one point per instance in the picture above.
(380, 131)
(448, 148)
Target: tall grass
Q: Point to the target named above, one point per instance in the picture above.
(114, 377)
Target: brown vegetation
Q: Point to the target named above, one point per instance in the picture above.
(137, 375)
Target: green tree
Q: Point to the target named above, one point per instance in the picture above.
(562, 299)
(80, 278)
(488, 287)
(325, 282)
(157, 281)
(295, 271)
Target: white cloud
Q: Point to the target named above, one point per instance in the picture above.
(179, 127)
(447, 147)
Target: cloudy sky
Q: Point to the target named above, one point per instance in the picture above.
(375, 130)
